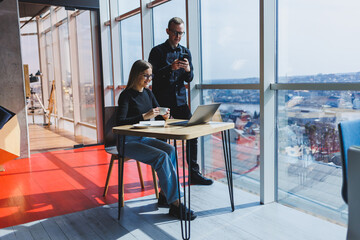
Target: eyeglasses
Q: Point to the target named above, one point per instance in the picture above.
(176, 33)
(149, 76)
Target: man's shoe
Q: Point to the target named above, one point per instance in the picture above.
(181, 212)
(162, 202)
(197, 179)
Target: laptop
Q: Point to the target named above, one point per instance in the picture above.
(202, 114)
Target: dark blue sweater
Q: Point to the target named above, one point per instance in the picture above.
(132, 104)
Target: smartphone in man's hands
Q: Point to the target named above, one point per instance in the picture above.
(183, 56)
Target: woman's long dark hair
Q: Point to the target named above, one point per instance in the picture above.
(137, 68)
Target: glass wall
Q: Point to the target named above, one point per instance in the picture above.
(67, 92)
(242, 108)
(230, 41)
(230, 55)
(161, 16)
(309, 161)
(86, 76)
(130, 44)
(46, 21)
(319, 48)
(323, 45)
(61, 14)
(49, 60)
(125, 6)
(30, 57)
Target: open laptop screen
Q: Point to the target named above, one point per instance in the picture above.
(202, 114)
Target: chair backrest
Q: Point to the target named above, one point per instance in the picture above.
(109, 123)
(349, 134)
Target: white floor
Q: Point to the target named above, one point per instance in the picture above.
(142, 219)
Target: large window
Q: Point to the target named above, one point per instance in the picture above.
(125, 6)
(317, 43)
(66, 83)
(131, 44)
(230, 55)
(161, 16)
(318, 39)
(309, 161)
(30, 56)
(86, 76)
(49, 60)
(230, 41)
(242, 108)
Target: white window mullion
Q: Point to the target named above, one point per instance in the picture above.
(267, 101)
(106, 52)
(147, 29)
(116, 48)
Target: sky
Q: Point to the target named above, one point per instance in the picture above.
(315, 36)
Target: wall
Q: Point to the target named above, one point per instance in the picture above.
(12, 90)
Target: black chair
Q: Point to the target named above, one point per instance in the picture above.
(349, 134)
(110, 147)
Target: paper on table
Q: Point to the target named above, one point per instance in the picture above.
(156, 123)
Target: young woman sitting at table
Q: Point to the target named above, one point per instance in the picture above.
(137, 103)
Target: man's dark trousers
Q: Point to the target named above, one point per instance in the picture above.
(183, 112)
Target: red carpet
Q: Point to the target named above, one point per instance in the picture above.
(60, 182)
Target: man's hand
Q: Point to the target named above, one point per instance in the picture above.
(184, 64)
(177, 64)
(151, 114)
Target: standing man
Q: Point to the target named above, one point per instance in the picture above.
(172, 67)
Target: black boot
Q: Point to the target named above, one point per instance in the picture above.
(197, 179)
(162, 201)
(181, 212)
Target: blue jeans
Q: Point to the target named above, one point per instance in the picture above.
(159, 155)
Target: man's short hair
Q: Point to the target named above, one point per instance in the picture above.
(175, 20)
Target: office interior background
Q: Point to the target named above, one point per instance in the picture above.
(285, 72)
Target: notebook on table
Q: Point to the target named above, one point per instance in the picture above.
(202, 114)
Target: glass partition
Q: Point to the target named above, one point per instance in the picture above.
(30, 27)
(66, 83)
(125, 6)
(230, 41)
(319, 48)
(161, 16)
(318, 41)
(241, 107)
(86, 76)
(309, 161)
(46, 23)
(131, 44)
(61, 14)
(49, 60)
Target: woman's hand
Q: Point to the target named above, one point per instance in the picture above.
(167, 115)
(151, 114)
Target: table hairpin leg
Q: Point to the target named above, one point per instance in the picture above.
(121, 176)
(225, 136)
(185, 224)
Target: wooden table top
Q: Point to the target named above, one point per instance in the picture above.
(174, 132)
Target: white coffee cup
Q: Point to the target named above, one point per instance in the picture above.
(163, 110)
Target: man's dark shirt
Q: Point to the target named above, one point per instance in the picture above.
(167, 85)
